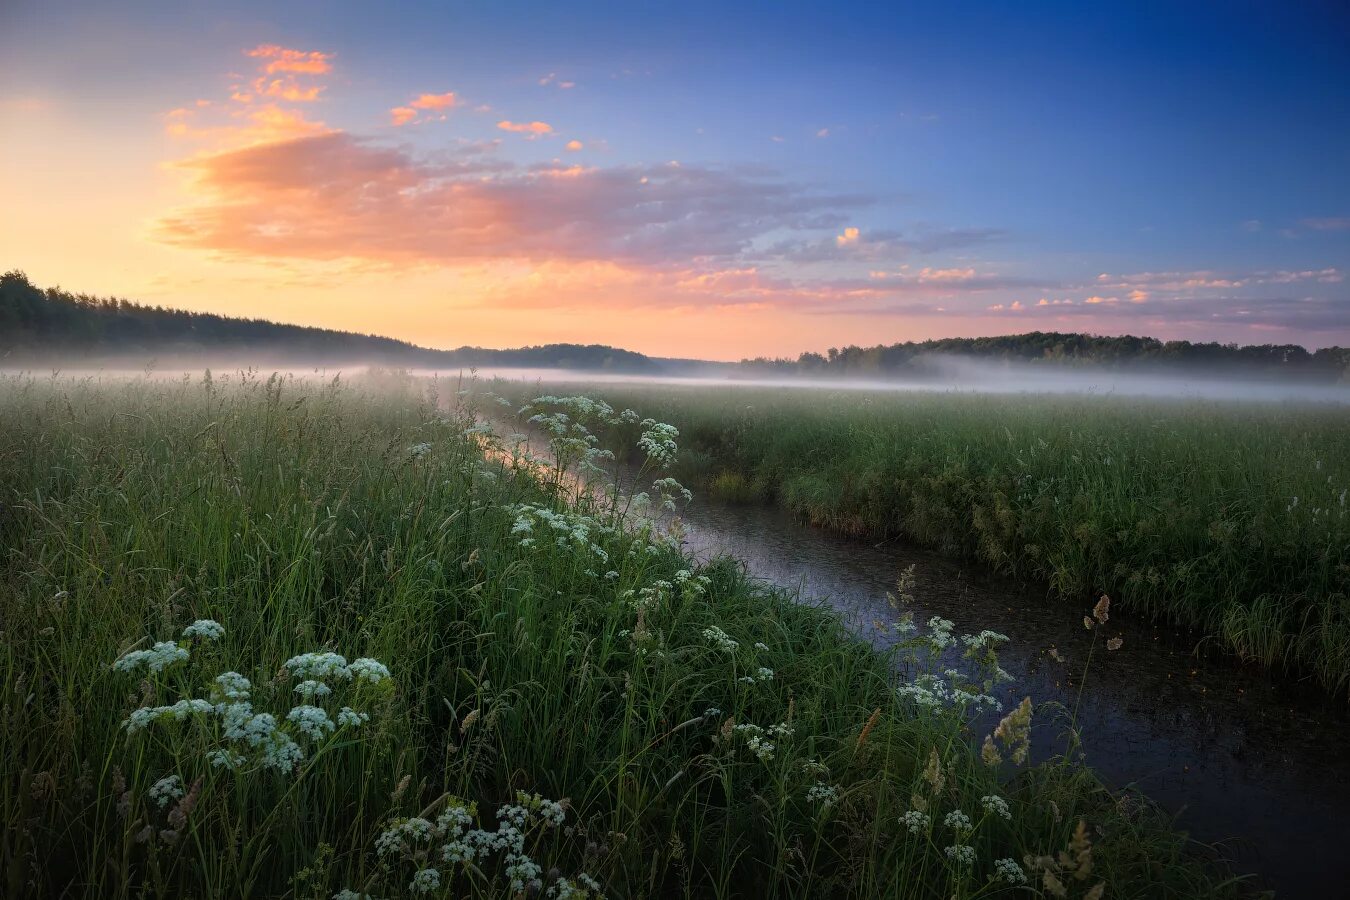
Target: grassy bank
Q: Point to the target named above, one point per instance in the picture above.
(1229, 519)
(275, 638)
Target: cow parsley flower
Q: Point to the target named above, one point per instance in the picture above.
(366, 669)
(720, 639)
(957, 821)
(401, 834)
(233, 686)
(311, 688)
(156, 659)
(1009, 871)
(207, 629)
(282, 753)
(312, 721)
(822, 793)
(961, 854)
(916, 821)
(522, 871)
(997, 805)
(318, 665)
(348, 717)
(225, 759)
(167, 789)
(425, 881)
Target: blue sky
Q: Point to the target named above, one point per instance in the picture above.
(1172, 169)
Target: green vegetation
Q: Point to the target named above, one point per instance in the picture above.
(1230, 519)
(695, 733)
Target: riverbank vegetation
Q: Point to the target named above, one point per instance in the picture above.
(1230, 519)
(279, 638)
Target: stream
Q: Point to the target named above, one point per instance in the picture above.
(1256, 765)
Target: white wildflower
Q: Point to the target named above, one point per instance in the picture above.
(399, 836)
(282, 753)
(208, 629)
(957, 821)
(167, 789)
(1009, 871)
(311, 688)
(822, 793)
(720, 639)
(916, 821)
(156, 659)
(225, 759)
(425, 881)
(318, 665)
(350, 718)
(233, 686)
(997, 805)
(366, 669)
(961, 854)
(312, 721)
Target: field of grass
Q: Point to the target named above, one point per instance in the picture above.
(1229, 519)
(204, 584)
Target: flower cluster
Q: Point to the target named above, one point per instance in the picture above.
(451, 842)
(566, 529)
(720, 639)
(246, 733)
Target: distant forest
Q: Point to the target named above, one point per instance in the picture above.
(920, 358)
(54, 327)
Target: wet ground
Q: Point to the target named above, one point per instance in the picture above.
(1258, 765)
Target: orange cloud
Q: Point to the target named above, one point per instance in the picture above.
(849, 237)
(286, 89)
(435, 101)
(402, 115)
(284, 59)
(575, 145)
(531, 128)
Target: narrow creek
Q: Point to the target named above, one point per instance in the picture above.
(1242, 760)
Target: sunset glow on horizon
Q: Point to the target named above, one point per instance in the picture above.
(710, 182)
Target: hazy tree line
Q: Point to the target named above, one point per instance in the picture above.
(919, 357)
(51, 326)
(38, 326)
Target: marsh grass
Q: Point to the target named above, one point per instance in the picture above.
(1231, 519)
(365, 520)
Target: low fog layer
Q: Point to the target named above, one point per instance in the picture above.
(939, 374)
(964, 375)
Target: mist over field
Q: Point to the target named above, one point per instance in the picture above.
(957, 374)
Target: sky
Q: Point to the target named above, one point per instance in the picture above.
(711, 180)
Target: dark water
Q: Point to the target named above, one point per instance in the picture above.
(1260, 767)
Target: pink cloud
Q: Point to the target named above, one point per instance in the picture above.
(402, 115)
(574, 146)
(285, 59)
(531, 128)
(435, 101)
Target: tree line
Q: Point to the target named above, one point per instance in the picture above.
(918, 358)
(40, 326)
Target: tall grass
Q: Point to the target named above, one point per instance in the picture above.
(576, 658)
(1231, 519)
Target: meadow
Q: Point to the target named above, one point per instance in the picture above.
(1229, 519)
(274, 637)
